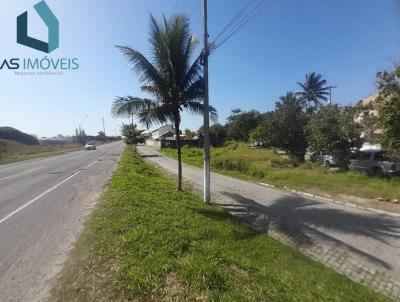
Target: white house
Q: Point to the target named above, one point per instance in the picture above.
(164, 133)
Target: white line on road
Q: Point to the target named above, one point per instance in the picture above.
(43, 194)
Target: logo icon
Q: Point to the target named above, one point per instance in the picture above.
(52, 24)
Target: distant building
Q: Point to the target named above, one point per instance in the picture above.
(164, 137)
(159, 135)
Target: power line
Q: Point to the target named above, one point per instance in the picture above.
(241, 19)
(234, 19)
(249, 16)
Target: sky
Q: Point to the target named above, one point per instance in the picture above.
(345, 41)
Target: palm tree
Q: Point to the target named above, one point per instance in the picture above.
(169, 77)
(314, 90)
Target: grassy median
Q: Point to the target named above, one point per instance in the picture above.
(148, 242)
(239, 160)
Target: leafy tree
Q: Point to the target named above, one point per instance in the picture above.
(132, 135)
(285, 127)
(218, 134)
(314, 91)
(334, 130)
(367, 121)
(101, 133)
(189, 133)
(389, 109)
(80, 136)
(169, 77)
(258, 135)
(241, 123)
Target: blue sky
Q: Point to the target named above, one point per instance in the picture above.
(346, 41)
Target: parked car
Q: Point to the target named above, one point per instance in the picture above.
(323, 158)
(90, 146)
(375, 162)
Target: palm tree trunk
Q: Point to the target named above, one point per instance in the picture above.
(178, 146)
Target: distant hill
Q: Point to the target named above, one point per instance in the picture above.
(10, 133)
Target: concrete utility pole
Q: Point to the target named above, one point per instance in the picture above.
(330, 94)
(206, 113)
(104, 127)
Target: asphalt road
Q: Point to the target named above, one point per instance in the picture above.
(349, 237)
(43, 204)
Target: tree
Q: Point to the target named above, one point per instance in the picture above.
(258, 135)
(241, 123)
(389, 109)
(169, 77)
(132, 135)
(101, 134)
(285, 127)
(218, 134)
(189, 133)
(314, 90)
(80, 136)
(334, 130)
(368, 121)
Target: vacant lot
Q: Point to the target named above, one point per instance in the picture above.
(12, 151)
(148, 242)
(265, 165)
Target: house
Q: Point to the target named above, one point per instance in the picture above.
(164, 137)
(157, 136)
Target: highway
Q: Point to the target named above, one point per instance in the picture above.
(43, 205)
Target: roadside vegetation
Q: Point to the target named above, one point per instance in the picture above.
(240, 160)
(12, 151)
(171, 78)
(148, 242)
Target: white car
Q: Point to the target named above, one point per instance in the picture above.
(90, 146)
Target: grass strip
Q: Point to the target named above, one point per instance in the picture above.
(241, 161)
(147, 242)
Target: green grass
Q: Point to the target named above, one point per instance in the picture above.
(12, 151)
(241, 161)
(147, 242)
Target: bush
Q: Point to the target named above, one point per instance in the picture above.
(239, 165)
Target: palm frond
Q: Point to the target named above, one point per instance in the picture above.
(198, 108)
(142, 67)
(157, 115)
(194, 92)
(126, 106)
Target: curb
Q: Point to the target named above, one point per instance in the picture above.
(348, 204)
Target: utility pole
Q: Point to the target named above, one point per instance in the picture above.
(330, 94)
(206, 113)
(104, 128)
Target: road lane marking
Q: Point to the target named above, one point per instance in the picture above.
(43, 194)
(18, 174)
